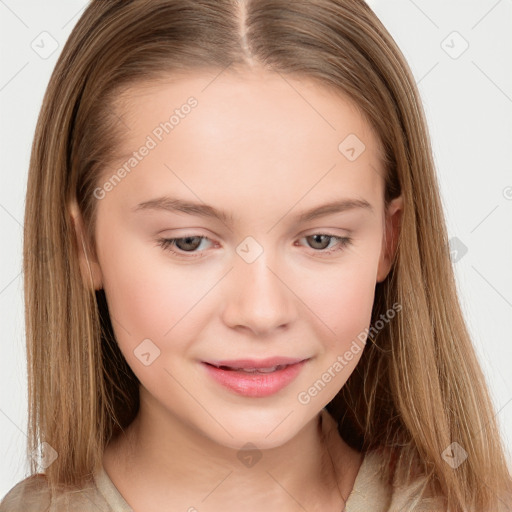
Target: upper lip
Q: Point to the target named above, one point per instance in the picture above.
(269, 362)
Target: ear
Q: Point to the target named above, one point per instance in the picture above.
(392, 225)
(89, 266)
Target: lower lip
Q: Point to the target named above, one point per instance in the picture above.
(255, 384)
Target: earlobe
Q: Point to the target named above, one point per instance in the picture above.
(390, 240)
(90, 268)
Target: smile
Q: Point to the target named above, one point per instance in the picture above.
(254, 381)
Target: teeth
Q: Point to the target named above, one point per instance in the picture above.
(261, 370)
(255, 370)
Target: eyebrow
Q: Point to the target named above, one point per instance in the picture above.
(171, 204)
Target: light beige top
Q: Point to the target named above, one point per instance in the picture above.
(369, 494)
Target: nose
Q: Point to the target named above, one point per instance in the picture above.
(259, 299)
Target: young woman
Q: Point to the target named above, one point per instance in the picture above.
(249, 301)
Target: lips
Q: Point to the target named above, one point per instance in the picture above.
(255, 378)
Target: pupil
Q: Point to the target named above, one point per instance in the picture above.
(187, 242)
(316, 237)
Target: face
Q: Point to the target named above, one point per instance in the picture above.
(246, 274)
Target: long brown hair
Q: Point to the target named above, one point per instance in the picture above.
(418, 386)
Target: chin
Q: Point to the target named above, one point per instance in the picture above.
(266, 429)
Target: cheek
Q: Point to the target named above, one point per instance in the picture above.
(148, 297)
(341, 296)
(342, 299)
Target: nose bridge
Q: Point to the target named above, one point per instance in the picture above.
(259, 299)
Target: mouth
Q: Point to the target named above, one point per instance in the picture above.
(267, 365)
(253, 378)
(269, 369)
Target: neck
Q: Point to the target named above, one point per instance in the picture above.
(152, 463)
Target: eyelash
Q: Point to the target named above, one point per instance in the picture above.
(168, 243)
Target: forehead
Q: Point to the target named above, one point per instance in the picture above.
(251, 131)
(249, 102)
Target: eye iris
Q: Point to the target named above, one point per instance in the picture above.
(186, 246)
(327, 237)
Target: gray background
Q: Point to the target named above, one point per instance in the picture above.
(467, 94)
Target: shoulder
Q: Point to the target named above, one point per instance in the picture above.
(30, 495)
(383, 484)
(33, 495)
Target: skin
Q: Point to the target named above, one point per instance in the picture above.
(261, 151)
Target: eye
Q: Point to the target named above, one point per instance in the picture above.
(318, 241)
(187, 246)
